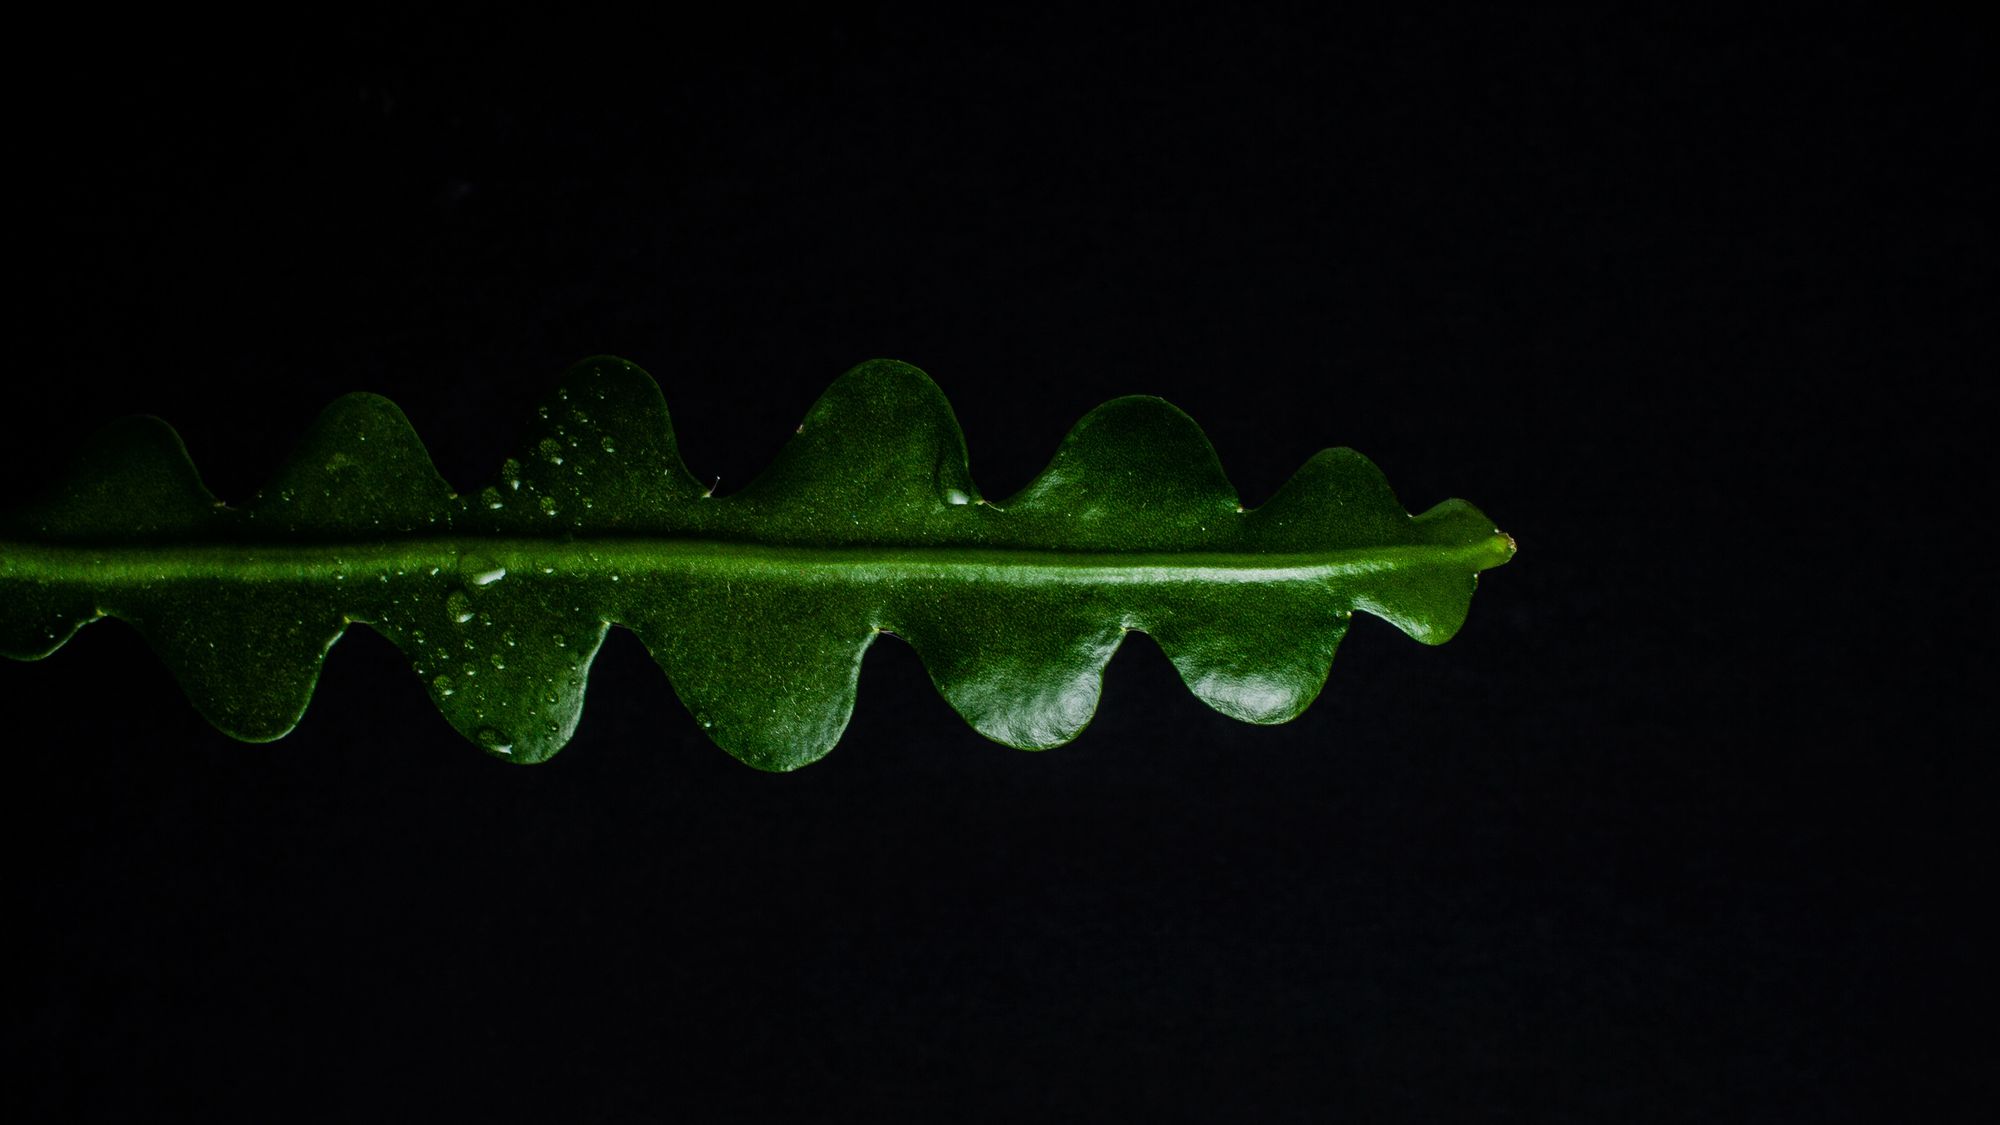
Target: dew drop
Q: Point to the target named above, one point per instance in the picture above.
(444, 685)
(510, 471)
(480, 570)
(490, 496)
(956, 497)
(458, 607)
(551, 451)
(498, 663)
(494, 740)
(470, 671)
(548, 505)
(609, 445)
(561, 640)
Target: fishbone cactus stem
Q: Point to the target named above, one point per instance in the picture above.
(758, 605)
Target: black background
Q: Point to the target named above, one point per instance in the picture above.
(1676, 829)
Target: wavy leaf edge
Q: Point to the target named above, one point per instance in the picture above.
(758, 605)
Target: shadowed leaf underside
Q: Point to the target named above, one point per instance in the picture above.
(759, 606)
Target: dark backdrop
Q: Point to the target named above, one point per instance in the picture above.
(1672, 831)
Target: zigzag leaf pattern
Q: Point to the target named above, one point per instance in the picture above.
(759, 605)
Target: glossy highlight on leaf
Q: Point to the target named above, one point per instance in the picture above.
(759, 605)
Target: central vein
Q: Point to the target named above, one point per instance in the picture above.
(491, 559)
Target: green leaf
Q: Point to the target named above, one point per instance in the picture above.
(758, 606)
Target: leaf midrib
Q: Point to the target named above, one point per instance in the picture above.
(640, 556)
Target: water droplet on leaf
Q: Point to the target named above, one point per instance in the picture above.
(480, 570)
